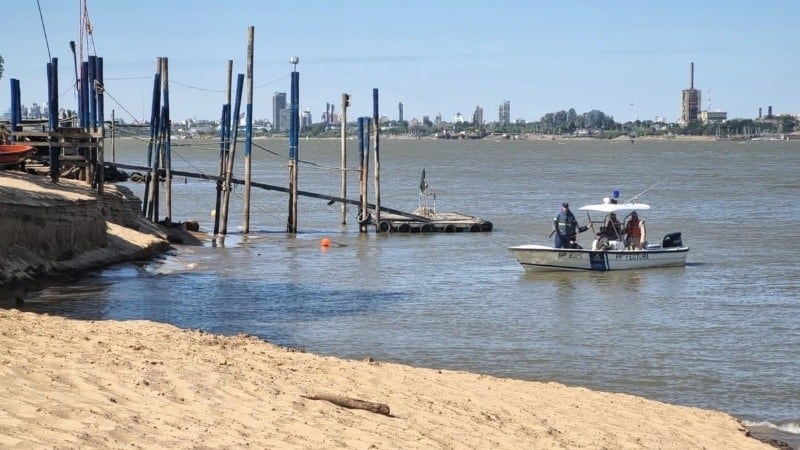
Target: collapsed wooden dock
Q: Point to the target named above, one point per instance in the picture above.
(74, 146)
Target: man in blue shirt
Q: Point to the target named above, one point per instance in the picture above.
(566, 229)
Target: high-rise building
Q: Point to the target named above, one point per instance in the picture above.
(477, 116)
(505, 113)
(400, 111)
(278, 105)
(690, 101)
(305, 119)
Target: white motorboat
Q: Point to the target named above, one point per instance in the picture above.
(609, 249)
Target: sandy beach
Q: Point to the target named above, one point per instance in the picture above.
(143, 385)
(84, 384)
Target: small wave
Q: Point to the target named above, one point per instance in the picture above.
(792, 427)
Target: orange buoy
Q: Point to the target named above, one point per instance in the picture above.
(325, 242)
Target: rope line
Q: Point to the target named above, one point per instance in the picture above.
(105, 91)
(44, 30)
(313, 164)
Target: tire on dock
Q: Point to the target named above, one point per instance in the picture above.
(384, 226)
(449, 228)
(404, 228)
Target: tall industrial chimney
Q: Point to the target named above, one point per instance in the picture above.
(691, 76)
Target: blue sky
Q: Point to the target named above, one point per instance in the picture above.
(628, 59)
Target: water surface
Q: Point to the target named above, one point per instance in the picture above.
(721, 333)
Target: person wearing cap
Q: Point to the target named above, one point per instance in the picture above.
(635, 233)
(566, 228)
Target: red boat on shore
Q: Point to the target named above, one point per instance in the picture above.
(12, 155)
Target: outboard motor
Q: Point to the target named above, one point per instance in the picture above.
(672, 240)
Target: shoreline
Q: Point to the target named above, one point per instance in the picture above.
(140, 384)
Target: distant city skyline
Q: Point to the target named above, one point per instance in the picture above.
(626, 59)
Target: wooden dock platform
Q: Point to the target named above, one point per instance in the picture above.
(447, 222)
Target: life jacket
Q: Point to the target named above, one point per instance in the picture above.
(633, 228)
(566, 223)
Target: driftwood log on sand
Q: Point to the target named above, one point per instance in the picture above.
(352, 403)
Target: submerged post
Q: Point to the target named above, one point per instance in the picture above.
(248, 133)
(345, 104)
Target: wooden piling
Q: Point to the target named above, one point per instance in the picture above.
(248, 134)
(166, 137)
(100, 88)
(345, 104)
(226, 197)
(113, 137)
(294, 131)
(376, 153)
(223, 146)
(52, 78)
(155, 157)
(363, 168)
(154, 110)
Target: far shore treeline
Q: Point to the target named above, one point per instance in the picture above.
(592, 124)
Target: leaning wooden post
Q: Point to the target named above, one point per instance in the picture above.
(223, 146)
(345, 104)
(154, 110)
(155, 128)
(376, 153)
(294, 131)
(248, 133)
(232, 156)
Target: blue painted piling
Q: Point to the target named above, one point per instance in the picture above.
(92, 97)
(151, 160)
(83, 105)
(15, 109)
(52, 108)
(100, 89)
(232, 155)
(294, 134)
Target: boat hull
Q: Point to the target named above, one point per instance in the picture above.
(540, 258)
(11, 155)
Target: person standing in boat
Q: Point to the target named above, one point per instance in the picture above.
(566, 228)
(635, 233)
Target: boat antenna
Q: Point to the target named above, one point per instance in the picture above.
(636, 197)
